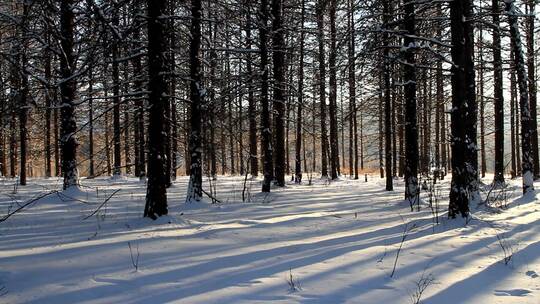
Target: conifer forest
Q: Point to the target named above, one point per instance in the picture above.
(269, 151)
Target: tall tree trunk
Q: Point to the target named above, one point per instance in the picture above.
(353, 129)
(140, 162)
(48, 109)
(126, 124)
(3, 115)
(380, 130)
(439, 107)
(156, 193)
(266, 132)
(299, 122)
(321, 7)
(513, 122)
(482, 105)
(525, 113)
(197, 95)
(56, 129)
(387, 98)
(252, 107)
(411, 129)
(23, 102)
(67, 90)
(514, 97)
(91, 164)
(173, 128)
(117, 156)
(278, 56)
(107, 124)
(464, 107)
(532, 85)
(13, 144)
(401, 130)
(334, 145)
(393, 124)
(498, 96)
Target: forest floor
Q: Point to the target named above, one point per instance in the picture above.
(322, 243)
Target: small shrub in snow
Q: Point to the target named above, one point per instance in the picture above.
(421, 285)
(508, 247)
(406, 230)
(294, 283)
(3, 291)
(134, 256)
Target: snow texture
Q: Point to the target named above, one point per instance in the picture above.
(338, 241)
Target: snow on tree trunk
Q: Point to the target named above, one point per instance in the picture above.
(532, 84)
(332, 97)
(266, 132)
(498, 96)
(526, 128)
(411, 127)
(299, 121)
(68, 124)
(321, 7)
(387, 98)
(278, 55)
(197, 94)
(156, 193)
(464, 111)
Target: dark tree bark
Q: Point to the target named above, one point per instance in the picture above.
(107, 124)
(117, 156)
(197, 95)
(513, 123)
(498, 96)
(56, 129)
(156, 195)
(464, 107)
(387, 98)
(353, 127)
(439, 108)
(172, 127)
(334, 145)
(126, 123)
(514, 98)
(393, 123)
(91, 164)
(13, 143)
(321, 7)
(532, 85)
(67, 90)
(23, 100)
(266, 132)
(527, 131)
(401, 130)
(140, 143)
(482, 105)
(299, 122)
(381, 126)
(411, 129)
(3, 115)
(278, 55)
(48, 109)
(252, 107)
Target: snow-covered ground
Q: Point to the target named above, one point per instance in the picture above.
(337, 241)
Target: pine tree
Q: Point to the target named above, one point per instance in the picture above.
(412, 190)
(67, 91)
(197, 95)
(156, 194)
(527, 167)
(464, 107)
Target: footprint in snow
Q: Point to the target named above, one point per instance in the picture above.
(512, 292)
(532, 274)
